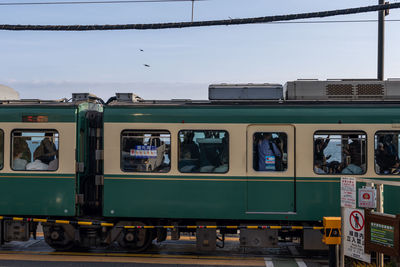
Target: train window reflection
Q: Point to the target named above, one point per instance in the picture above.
(270, 151)
(203, 151)
(1, 149)
(340, 153)
(34, 150)
(387, 153)
(145, 151)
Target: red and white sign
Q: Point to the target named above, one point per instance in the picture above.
(367, 197)
(347, 192)
(356, 220)
(353, 234)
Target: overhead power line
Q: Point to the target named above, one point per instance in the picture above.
(93, 2)
(333, 21)
(174, 25)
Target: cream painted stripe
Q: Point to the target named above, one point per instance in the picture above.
(318, 181)
(300, 263)
(221, 180)
(268, 262)
(196, 179)
(45, 177)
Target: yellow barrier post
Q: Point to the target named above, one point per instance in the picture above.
(332, 238)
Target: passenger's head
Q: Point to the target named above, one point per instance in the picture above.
(388, 138)
(318, 163)
(380, 146)
(353, 137)
(267, 136)
(17, 153)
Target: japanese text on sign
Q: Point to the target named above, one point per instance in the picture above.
(144, 152)
(354, 235)
(382, 234)
(348, 192)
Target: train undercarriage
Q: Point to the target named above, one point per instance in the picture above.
(138, 235)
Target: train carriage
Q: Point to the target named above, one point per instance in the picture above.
(213, 170)
(43, 145)
(250, 155)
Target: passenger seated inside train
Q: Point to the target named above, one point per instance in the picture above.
(318, 165)
(386, 153)
(18, 164)
(203, 151)
(339, 153)
(45, 156)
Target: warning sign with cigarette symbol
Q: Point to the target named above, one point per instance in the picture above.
(367, 197)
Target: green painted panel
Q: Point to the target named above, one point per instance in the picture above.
(174, 199)
(226, 198)
(253, 114)
(314, 200)
(391, 197)
(219, 197)
(270, 196)
(51, 195)
(54, 113)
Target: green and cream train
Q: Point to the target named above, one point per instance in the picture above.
(252, 154)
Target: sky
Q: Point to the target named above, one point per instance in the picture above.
(183, 62)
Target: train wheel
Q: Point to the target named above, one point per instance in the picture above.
(135, 240)
(59, 237)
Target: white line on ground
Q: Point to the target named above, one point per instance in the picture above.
(301, 263)
(268, 262)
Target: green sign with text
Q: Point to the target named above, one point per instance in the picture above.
(382, 234)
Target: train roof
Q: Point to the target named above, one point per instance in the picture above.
(300, 92)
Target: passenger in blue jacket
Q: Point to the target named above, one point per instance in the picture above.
(268, 153)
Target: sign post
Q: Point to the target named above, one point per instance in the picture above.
(347, 200)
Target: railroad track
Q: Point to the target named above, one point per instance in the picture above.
(182, 253)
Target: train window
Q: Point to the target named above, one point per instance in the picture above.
(1, 149)
(34, 150)
(340, 152)
(145, 151)
(203, 151)
(387, 153)
(270, 151)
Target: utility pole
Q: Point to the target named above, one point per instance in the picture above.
(192, 9)
(381, 41)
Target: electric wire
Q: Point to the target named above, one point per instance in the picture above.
(333, 21)
(176, 25)
(94, 2)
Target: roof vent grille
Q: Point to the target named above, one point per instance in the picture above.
(370, 90)
(339, 90)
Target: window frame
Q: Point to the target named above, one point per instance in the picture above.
(287, 153)
(2, 163)
(33, 130)
(340, 132)
(202, 130)
(375, 134)
(148, 131)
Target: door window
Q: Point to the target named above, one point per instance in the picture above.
(270, 151)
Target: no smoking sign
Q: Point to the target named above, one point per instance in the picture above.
(367, 197)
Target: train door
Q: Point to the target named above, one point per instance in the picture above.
(270, 169)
